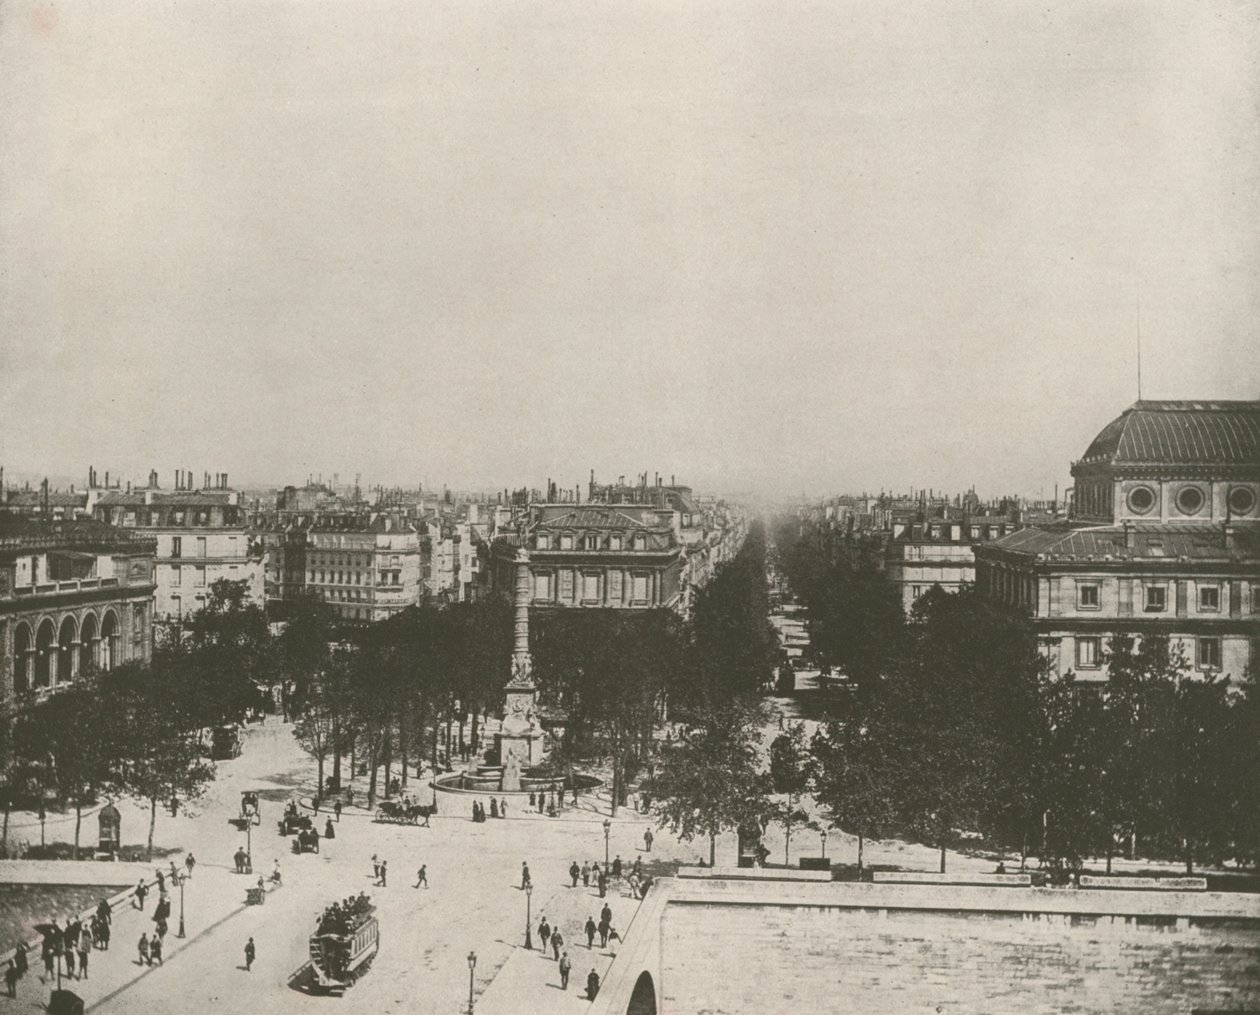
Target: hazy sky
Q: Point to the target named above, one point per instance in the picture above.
(782, 246)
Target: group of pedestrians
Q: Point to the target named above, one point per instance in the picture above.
(591, 873)
(553, 938)
(68, 949)
(498, 809)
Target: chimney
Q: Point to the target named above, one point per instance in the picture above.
(106, 479)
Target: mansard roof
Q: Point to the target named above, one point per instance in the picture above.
(595, 517)
(1067, 541)
(1185, 433)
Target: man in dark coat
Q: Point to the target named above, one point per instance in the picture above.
(544, 933)
(557, 939)
(616, 868)
(592, 985)
(249, 954)
(524, 875)
(590, 932)
(574, 872)
(565, 967)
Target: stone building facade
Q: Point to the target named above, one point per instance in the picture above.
(1163, 540)
(74, 596)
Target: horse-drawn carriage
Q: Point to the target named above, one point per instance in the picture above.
(306, 840)
(294, 820)
(344, 945)
(397, 812)
(251, 813)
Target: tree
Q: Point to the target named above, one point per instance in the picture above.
(711, 780)
(76, 734)
(790, 771)
(854, 781)
(159, 759)
(225, 656)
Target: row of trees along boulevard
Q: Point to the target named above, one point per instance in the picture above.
(959, 730)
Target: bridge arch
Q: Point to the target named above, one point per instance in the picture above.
(643, 997)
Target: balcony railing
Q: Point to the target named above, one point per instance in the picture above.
(79, 585)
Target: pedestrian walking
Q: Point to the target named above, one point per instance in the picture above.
(376, 868)
(638, 867)
(105, 911)
(49, 957)
(337, 809)
(605, 914)
(531, 798)
(575, 794)
(592, 985)
(524, 875)
(565, 967)
(647, 839)
(590, 932)
(604, 927)
(574, 872)
(161, 880)
(140, 892)
(86, 941)
(19, 959)
(249, 954)
(557, 939)
(143, 948)
(586, 875)
(70, 961)
(603, 884)
(544, 933)
(155, 950)
(612, 936)
(328, 830)
(422, 877)
(502, 807)
(542, 799)
(616, 868)
(494, 808)
(11, 977)
(384, 872)
(189, 863)
(239, 858)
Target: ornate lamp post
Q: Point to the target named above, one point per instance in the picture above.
(182, 879)
(472, 964)
(529, 890)
(607, 829)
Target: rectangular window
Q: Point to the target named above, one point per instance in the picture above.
(175, 575)
(590, 587)
(566, 541)
(916, 591)
(1156, 598)
(614, 542)
(199, 577)
(542, 586)
(177, 546)
(1209, 653)
(1088, 652)
(1087, 596)
(544, 541)
(1209, 598)
(640, 583)
(201, 546)
(640, 542)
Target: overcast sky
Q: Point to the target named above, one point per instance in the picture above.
(780, 246)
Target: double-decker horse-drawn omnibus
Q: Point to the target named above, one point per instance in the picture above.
(344, 944)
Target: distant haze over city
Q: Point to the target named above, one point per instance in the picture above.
(780, 248)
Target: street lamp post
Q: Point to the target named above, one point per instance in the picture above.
(607, 829)
(181, 905)
(529, 890)
(472, 964)
(824, 843)
(249, 845)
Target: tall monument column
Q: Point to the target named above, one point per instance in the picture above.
(521, 739)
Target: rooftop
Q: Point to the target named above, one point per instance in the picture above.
(1072, 541)
(1180, 433)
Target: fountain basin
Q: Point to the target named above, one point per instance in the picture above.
(486, 780)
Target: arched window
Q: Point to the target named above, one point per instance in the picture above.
(109, 641)
(45, 655)
(88, 643)
(23, 649)
(66, 656)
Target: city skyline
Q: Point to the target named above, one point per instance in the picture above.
(798, 250)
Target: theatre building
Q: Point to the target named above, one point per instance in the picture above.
(74, 596)
(1163, 540)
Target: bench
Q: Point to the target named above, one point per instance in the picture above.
(1144, 884)
(930, 878)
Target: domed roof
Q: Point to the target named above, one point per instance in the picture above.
(1180, 433)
